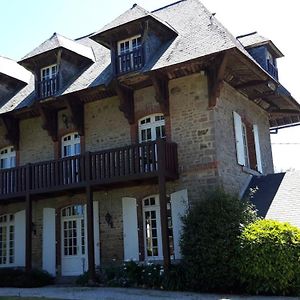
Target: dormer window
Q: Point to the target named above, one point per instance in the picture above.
(48, 85)
(271, 65)
(130, 55)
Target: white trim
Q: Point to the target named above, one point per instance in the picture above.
(127, 40)
(96, 233)
(130, 229)
(257, 148)
(240, 152)
(148, 209)
(49, 241)
(179, 207)
(20, 238)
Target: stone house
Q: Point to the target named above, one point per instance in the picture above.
(106, 140)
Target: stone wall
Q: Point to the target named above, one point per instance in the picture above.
(35, 143)
(231, 173)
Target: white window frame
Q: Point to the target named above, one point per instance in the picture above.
(126, 57)
(7, 157)
(130, 41)
(245, 145)
(52, 73)
(151, 123)
(71, 140)
(7, 222)
(156, 208)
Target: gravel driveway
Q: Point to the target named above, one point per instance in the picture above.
(86, 293)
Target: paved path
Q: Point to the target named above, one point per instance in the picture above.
(85, 293)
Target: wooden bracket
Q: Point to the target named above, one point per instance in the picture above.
(216, 74)
(161, 85)
(49, 121)
(76, 109)
(125, 95)
(12, 128)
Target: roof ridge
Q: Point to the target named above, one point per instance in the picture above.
(247, 34)
(168, 5)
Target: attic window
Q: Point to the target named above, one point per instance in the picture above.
(130, 55)
(48, 85)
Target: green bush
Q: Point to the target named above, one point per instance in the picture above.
(210, 241)
(18, 277)
(132, 274)
(270, 258)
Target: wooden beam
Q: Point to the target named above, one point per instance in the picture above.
(161, 147)
(12, 128)
(28, 222)
(283, 112)
(161, 86)
(49, 121)
(76, 109)
(216, 74)
(250, 84)
(90, 221)
(125, 95)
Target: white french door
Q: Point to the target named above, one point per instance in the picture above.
(7, 158)
(73, 236)
(151, 128)
(70, 146)
(152, 228)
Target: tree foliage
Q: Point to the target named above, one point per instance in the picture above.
(270, 258)
(210, 241)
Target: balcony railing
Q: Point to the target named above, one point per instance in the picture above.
(48, 87)
(272, 70)
(130, 61)
(135, 162)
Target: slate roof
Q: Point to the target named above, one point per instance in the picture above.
(254, 39)
(59, 41)
(199, 34)
(12, 69)
(277, 196)
(136, 12)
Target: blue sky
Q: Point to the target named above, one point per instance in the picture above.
(24, 24)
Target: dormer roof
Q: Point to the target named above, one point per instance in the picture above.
(135, 14)
(57, 41)
(253, 39)
(11, 68)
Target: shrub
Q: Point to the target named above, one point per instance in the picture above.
(18, 277)
(210, 241)
(270, 258)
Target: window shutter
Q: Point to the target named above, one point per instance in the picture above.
(238, 129)
(20, 238)
(49, 241)
(257, 148)
(130, 229)
(96, 233)
(179, 206)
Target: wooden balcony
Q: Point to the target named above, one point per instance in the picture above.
(114, 166)
(48, 87)
(130, 61)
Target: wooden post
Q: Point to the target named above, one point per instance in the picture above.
(163, 202)
(90, 220)
(28, 225)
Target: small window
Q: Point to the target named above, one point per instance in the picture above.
(152, 128)
(70, 145)
(7, 158)
(48, 85)
(130, 55)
